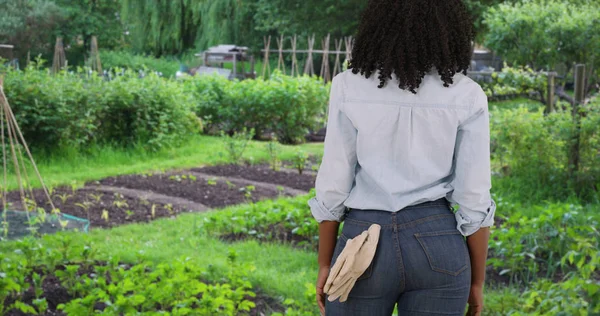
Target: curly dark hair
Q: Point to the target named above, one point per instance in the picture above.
(409, 37)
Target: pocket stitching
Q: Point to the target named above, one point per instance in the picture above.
(369, 271)
(427, 252)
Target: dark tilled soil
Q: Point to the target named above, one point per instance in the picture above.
(262, 173)
(55, 294)
(121, 209)
(212, 193)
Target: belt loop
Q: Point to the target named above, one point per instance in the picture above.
(394, 222)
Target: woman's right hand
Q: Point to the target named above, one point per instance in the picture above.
(475, 300)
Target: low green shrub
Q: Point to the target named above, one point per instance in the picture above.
(514, 82)
(265, 220)
(558, 239)
(286, 106)
(533, 150)
(123, 59)
(75, 109)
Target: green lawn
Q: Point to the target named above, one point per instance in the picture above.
(105, 162)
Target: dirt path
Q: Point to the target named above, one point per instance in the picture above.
(151, 197)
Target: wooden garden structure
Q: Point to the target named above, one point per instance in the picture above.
(59, 62)
(342, 47)
(214, 59)
(95, 63)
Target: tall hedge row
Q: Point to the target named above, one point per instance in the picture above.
(79, 109)
(286, 106)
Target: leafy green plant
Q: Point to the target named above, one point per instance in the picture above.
(533, 149)
(517, 81)
(300, 160)
(248, 192)
(105, 215)
(287, 106)
(544, 34)
(273, 148)
(127, 60)
(265, 220)
(236, 144)
(86, 205)
(72, 110)
(64, 197)
(96, 197)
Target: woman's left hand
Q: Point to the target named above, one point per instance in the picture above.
(321, 280)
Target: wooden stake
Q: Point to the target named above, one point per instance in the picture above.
(309, 68)
(337, 67)
(574, 154)
(95, 56)
(280, 62)
(294, 57)
(550, 98)
(348, 41)
(266, 65)
(325, 74)
(59, 62)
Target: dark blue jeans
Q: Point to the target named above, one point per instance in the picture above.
(422, 264)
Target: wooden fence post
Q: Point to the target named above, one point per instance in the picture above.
(574, 156)
(266, 65)
(551, 87)
(579, 83)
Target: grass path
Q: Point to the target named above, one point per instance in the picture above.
(105, 162)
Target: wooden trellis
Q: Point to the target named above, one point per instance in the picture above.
(326, 73)
(95, 63)
(60, 61)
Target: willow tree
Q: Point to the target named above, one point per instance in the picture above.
(166, 27)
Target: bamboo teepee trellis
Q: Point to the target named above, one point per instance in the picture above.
(326, 73)
(95, 63)
(12, 140)
(60, 61)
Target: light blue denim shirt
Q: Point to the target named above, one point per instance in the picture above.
(387, 149)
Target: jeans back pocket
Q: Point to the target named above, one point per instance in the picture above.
(446, 251)
(339, 247)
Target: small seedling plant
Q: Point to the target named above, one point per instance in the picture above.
(273, 149)
(236, 144)
(300, 160)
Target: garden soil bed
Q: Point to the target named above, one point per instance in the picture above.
(263, 173)
(210, 192)
(120, 209)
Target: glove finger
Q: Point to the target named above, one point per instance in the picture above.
(335, 294)
(335, 270)
(347, 290)
(339, 284)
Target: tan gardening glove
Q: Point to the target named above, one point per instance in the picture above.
(352, 262)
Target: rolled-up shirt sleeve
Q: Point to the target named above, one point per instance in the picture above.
(471, 181)
(335, 178)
